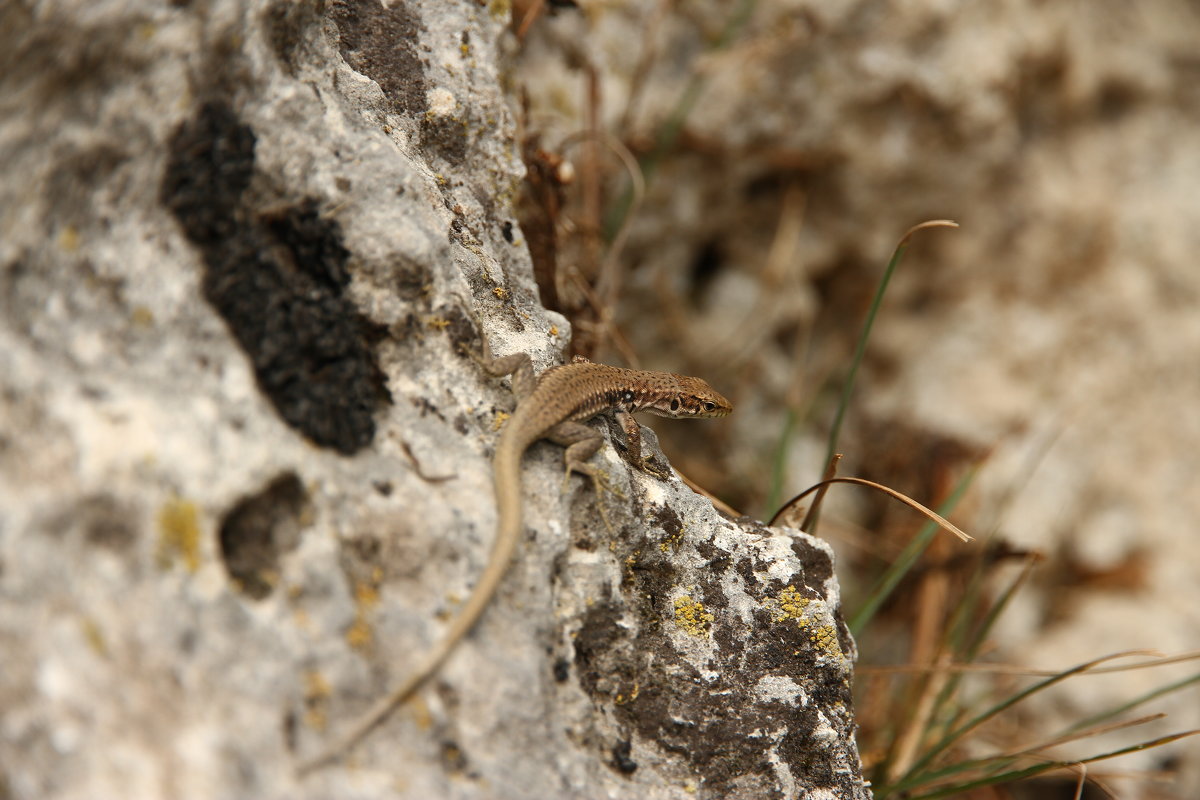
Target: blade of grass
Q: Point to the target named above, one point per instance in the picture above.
(668, 134)
(895, 573)
(827, 480)
(1029, 772)
(820, 487)
(1087, 733)
(1145, 698)
(915, 775)
(969, 649)
(860, 348)
(779, 463)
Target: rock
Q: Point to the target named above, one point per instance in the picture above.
(246, 465)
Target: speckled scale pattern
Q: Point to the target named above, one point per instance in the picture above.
(579, 391)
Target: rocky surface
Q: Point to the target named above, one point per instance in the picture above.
(244, 463)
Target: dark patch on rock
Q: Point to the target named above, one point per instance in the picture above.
(752, 524)
(668, 519)
(315, 244)
(211, 164)
(100, 519)
(745, 570)
(562, 670)
(445, 136)
(77, 175)
(277, 280)
(286, 22)
(653, 576)
(462, 330)
(411, 280)
(258, 530)
(723, 728)
(107, 523)
(379, 40)
(817, 566)
(582, 541)
(290, 726)
(67, 61)
(426, 407)
(461, 424)
(460, 229)
(597, 637)
(360, 557)
(621, 757)
(718, 560)
(454, 760)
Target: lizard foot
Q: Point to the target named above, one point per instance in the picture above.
(601, 484)
(650, 467)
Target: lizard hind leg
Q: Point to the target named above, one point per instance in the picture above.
(518, 365)
(582, 443)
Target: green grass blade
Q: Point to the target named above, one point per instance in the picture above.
(895, 573)
(668, 134)
(966, 648)
(779, 463)
(915, 775)
(1037, 769)
(860, 349)
(1145, 698)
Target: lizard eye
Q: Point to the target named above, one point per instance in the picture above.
(710, 406)
(675, 404)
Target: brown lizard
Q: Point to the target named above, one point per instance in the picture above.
(552, 406)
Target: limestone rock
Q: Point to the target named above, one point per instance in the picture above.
(245, 466)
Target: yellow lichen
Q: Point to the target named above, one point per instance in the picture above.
(94, 637)
(792, 605)
(825, 638)
(622, 699)
(420, 713)
(630, 564)
(316, 696)
(500, 292)
(359, 635)
(672, 541)
(68, 239)
(500, 9)
(366, 597)
(179, 534)
(691, 616)
(142, 316)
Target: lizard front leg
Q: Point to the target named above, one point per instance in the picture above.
(633, 447)
(581, 443)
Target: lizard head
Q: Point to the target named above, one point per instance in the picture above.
(684, 397)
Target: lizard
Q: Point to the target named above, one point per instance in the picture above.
(551, 406)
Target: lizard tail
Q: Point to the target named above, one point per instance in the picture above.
(508, 534)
